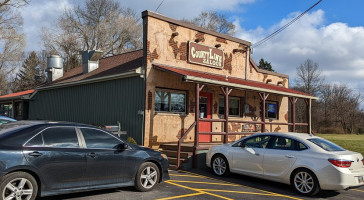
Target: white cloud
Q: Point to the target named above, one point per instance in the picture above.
(336, 47)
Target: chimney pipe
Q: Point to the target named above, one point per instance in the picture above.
(90, 60)
(54, 68)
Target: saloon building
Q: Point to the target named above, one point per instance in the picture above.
(187, 85)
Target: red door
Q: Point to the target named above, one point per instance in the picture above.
(205, 112)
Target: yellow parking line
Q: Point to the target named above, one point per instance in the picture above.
(275, 194)
(184, 175)
(207, 183)
(181, 196)
(197, 190)
(254, 193)
(357, 190)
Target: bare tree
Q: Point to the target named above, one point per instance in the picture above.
(99, 24)
(214, 21)
(309, 78)
(12, 41)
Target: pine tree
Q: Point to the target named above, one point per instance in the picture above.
(265, 65)
(30, 75)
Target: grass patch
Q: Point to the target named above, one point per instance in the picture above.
(350, 142)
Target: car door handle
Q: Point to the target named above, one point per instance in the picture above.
(35, 154)
(92, 155)
(289, 156)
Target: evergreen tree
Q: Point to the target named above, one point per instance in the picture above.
(265, 65)
(30, 75)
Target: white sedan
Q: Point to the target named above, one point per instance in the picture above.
(309, 163)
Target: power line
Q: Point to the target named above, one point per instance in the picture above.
(284, 27)
(159, 6)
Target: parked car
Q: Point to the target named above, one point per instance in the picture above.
(4, 120)
(47, 158)
(306, 162)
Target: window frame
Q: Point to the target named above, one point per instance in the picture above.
(277, 109)
(170, 91)
(80, 145)
(231, 97)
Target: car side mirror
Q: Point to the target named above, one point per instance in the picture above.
(123, 146)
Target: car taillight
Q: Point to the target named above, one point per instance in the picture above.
(341, 163)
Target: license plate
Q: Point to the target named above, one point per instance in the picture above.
(361, 179)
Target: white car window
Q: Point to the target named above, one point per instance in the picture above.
(257, 142)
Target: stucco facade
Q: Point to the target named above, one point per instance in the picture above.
(164, 46)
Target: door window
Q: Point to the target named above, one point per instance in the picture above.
(283, 143)
(37, 141)
(59, 137)
(257, 142)
(96, 139)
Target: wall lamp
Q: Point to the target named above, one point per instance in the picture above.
(268, 81)
(174, 34)
(238, 50)
(218, 45)
(198, 40)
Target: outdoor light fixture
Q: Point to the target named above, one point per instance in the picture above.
(198, 40)
(218, 45)
(174, 34)
(269, 80)
(238, 50)
(280, 83)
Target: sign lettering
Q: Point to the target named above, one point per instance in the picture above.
(204, 55)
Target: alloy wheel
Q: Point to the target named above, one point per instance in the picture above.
(149, 177)
(304, 182)
(18, 189)
(219, 166)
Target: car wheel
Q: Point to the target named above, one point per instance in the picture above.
(18, 185)
(147, 177)
(305, 182)
(220, 166)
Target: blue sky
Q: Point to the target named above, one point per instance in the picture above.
(331, 34)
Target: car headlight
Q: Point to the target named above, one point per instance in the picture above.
(164, 156)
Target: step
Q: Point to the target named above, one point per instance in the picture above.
(171, 153)
(173, 160)
(172, 167)
(174, 147)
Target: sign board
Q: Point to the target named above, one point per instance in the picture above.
(205, 55)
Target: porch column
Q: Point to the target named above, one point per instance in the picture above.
(226, 91)
(13, 109)
(308, 115)
(293, 101)
(263, 96)
(197, 120)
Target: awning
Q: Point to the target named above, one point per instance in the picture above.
(18, 95)
(219, 80)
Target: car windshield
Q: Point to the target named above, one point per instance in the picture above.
(326, 145)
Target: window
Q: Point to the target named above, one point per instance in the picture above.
(326, 145)
(283, 143)
(271, 110)
(37, 141)
(170, 101)
(60, 137)
(96, 139)
(234, 106)
(301, 146)
(257, 142)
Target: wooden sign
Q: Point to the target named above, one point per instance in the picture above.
(205, 55)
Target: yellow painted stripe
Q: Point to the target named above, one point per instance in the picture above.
(275, 194)
(253, 193)
(357, 190)
(182, 196)
(207, 183)
(193, 176)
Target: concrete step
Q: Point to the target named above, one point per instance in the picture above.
(171, 153)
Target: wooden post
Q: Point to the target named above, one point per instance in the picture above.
(293, 101)
(226, 91)
(263, 97)
(308, 115)
(197, 120)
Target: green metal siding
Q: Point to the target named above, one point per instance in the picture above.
(101, 103)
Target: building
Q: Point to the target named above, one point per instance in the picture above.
(15, 105)
(155, 92)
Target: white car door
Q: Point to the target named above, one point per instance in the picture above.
(279, 157)
(247, 156)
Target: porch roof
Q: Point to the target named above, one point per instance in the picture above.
(18, 95)
(217, 79)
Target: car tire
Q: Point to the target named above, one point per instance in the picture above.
(220, 165)
(305, 182)
(19, 185)
(147, 177)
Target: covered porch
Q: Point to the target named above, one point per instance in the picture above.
(227, 85)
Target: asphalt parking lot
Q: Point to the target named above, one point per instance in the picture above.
(202, 184)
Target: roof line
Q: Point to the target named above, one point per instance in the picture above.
(130, 73)
(191, 26)
(266, 71)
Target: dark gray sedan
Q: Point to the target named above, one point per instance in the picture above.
(46, 158)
